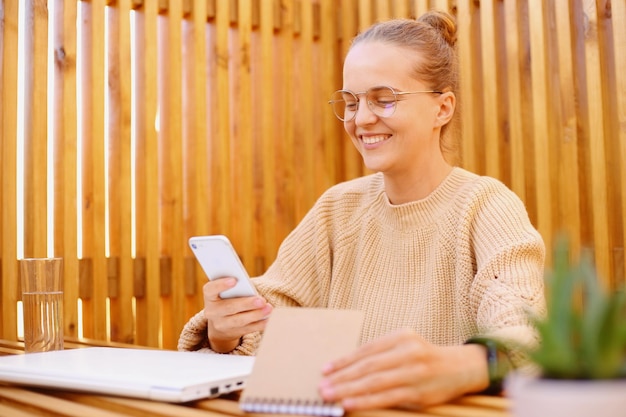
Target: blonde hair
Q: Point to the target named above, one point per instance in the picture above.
(432, 37)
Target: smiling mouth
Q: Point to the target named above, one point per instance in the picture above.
(370, 140)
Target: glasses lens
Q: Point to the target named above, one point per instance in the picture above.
(382, 101)
(344, 104)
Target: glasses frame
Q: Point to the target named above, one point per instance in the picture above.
(372, 106)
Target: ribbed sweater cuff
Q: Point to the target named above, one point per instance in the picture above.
(194, 337)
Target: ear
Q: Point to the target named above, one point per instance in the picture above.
(447, 105)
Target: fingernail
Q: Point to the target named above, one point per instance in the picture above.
(348, 404)
(327, 368)
(326, 389)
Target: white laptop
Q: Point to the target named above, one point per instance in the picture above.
(161, 375)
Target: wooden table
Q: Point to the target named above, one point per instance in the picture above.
(18, 401)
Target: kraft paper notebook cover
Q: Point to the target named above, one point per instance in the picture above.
(296, 344)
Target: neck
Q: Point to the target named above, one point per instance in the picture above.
(402, 189)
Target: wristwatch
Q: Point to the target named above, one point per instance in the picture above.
(498, 363)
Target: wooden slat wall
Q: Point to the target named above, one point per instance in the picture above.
(161, 120)
(8, 157)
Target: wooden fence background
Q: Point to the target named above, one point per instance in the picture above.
(128, 126)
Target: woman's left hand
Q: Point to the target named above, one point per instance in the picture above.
(401, 369)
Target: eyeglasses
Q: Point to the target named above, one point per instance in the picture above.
(382, 101)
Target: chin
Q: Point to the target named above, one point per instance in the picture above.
(373, 167)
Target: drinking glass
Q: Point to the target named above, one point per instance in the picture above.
(42, 298)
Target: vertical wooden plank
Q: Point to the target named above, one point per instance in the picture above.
(170, 179)
(565, 113)
(9, 285)
(382, 10)
(119, 174)
(491, 105)
(366, 16)
(152, 305)
(40, 139)
(195, 166)
(400, 9)
(220, 146)
(470, 84)
(256, 264)
(93, 169)
(328, 48)
(65, 159)
(352, 162)
(608, 82)
(519, 103)
(597, 134)
(304, 134)
(85, 176)
(421, 7)
(619, 40)
(147, 263)
(514, 60)
(441, 5)
(541, 109)
(35, 122)
(267, 211)
(285, 98)
(97, 248)
(197, 137)
(615, 185)
(139, 180)
(346, 17)
(242, 143)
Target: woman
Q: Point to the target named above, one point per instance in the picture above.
(434, 254)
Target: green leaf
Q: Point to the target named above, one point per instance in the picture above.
(583, 335)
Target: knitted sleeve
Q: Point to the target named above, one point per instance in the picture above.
(296, 278)
(510, 256)
(194, 337)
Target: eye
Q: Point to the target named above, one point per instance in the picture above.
(350, 101)
(385, 102)
(350, 105)
(382, 97)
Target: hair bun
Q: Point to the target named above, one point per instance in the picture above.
(443, 22)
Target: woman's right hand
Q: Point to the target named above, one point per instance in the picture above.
(229, 319)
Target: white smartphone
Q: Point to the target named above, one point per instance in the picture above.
(218, 259)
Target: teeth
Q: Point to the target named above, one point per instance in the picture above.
(373, 139)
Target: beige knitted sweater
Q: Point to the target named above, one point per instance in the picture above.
(463, 261)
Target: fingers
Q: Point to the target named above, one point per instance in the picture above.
(372, 383)
(393, 397)
(382, 371)
(229, 319)
(212, 289)
(393, 370)
(215, 306)
(365, 356)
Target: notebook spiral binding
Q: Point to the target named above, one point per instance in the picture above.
(278, 406)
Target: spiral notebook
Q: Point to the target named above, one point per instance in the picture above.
(296, 344)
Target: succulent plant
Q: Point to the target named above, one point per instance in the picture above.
(583, 334)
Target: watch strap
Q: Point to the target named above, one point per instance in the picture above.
(498, 363)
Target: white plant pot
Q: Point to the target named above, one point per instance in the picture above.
(536, 397)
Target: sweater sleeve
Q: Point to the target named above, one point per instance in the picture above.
(194, 337)
(510, 256)
(300, 275)
(295, 278)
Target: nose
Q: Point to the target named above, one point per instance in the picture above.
(364, 114)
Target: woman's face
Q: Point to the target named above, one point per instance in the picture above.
(404, 142)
